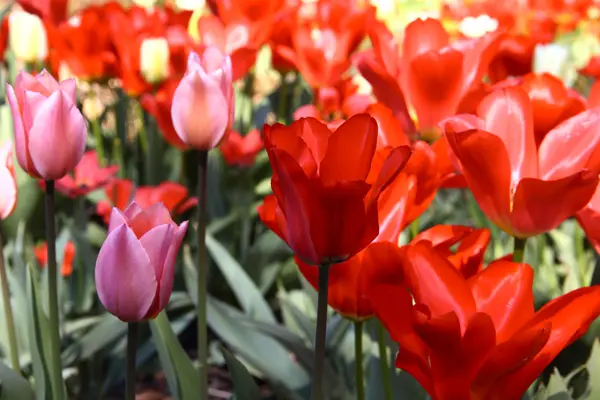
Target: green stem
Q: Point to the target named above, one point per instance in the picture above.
(97, 131)
(358, 360)
(54, 334)
(519, 249)
(383, 362)
(132, 338)
(580, 257)
(323, 292)
(414, 228)
(10, 322)
(202, 273)
(118, 156)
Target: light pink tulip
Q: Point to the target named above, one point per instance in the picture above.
(8, 185)
(50, 131)
(203, 103)
(136, 264)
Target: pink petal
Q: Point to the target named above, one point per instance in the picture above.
(69, 86)
(168, 273)
(47, 81)
(19, 129)
(200, 111)
(157, 242)
(117, 218)
(32, 104)
(148, 218)
(132, 210)
(57, 137)
(125, 280)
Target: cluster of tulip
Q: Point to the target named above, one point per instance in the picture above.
(479, 99)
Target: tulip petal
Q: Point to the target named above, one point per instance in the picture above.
(568, 147)
(149, 217)
(199, 95)
(391, 168)
(393, 205)
(166, 281)
(32, 104)
(435, 282)
(570, 316)
(503, 291)
(8, 197)
(69, 86)
(57, 137)
(508, 115)
(19, 130)
(350, 151)
(157, 242)
(125, 279)
(533, 214)
(470, 252)
(390, 131)
(442, 237)
(117, 218)
(488, 177)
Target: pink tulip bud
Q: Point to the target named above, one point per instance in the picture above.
(8, 185)
(203, 103)
(50, 131)
(136, 264)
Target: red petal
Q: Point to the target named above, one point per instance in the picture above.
(503, 291)
(350, 151)
(442, 237)
(508, 115)
(470, 252)
(392, 166)
(390, 131)
(421, 36)
(486, 168)
(533, 213)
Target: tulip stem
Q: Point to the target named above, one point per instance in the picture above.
(358, 360)
(519, 250)
(383, 362)
(56, 370)
(132, 338)
(99, 141)
(317, 391)
(202, 273)
(10, 322)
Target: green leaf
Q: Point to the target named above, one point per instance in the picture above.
(39, 341)
(105, 333)
(180, 372)
(13, 386)
(557, 388)
(593, 368)
(245, 290)
(244, 386)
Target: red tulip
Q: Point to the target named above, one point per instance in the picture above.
(435, 75)
(460, 340)
(326, 186)
(54, 11)
(589, 219)
(8, 184)
(510, 177)
(41, 255)
(87, 177)
(241, 150)
(120, 192)
(136, 264)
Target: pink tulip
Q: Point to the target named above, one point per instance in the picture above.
(50, 131)
(203, 103)
(8, 185)
(136, 264)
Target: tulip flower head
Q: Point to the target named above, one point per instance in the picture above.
(27, 37)
(136, 264)
(50, 131)
(203, 103)
(8, 185)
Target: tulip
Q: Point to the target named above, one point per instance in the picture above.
(241, 150)
(50, 132)
(27, 37)
(154, 59)
(136, 264)
(8, 185)
(203, 103)
(327, 185)
(87, 177)
(511, 178)
(41, 255)
(476, 338)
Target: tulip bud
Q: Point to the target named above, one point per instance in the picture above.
(50, 131)
(202, 109)
(136, 264)
(8, 185)
(154, 59)
(27, 37)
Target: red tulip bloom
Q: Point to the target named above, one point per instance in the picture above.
(589, 219)
(510, 177)
(121, 192)
(84, 43)
(241, 150)
(350, 281)
(158, 105)
(431, 74)
(41, 255)
(53, 11)
(326, 186)
(87, 177)
(461, 341)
